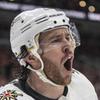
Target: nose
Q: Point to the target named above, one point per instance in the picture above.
(66, 50)
(68, 46)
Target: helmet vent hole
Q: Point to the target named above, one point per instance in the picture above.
(55, 22)
(22, 21)
(63, 20)
(28, 40)
(29, 44)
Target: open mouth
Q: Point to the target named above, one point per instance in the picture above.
(68, 64)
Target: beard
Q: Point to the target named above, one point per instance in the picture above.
(53, 73)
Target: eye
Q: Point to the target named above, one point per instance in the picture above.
(55, 40)
(68, 37)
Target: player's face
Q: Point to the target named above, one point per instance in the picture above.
(58, 53)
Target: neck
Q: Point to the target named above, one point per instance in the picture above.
(44, 88)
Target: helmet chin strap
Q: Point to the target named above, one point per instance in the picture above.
(40, 71)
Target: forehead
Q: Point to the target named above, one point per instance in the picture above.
(54, 33)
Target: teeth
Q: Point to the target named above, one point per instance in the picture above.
(67, 63)
(69, 57)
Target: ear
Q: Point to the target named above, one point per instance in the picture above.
(33, 61)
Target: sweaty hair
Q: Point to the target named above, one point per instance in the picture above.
(24, 71)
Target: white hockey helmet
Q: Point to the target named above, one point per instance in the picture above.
(28, 24)
(26, 27)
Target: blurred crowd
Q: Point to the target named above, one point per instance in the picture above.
(9, 67)
(89, 66)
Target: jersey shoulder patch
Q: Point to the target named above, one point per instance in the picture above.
(12, 92)
(9, 95)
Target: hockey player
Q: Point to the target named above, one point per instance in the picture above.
(44, 44)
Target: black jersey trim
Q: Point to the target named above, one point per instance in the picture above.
(65, 91)
(28, 90)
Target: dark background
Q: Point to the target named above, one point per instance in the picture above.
(87, 56)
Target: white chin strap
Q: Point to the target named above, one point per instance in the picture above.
(40, 71)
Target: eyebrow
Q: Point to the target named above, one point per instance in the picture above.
(57, 36)
(54, 36)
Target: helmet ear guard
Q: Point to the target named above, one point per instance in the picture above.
(24, 52)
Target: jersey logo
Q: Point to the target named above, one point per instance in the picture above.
(10, 95)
